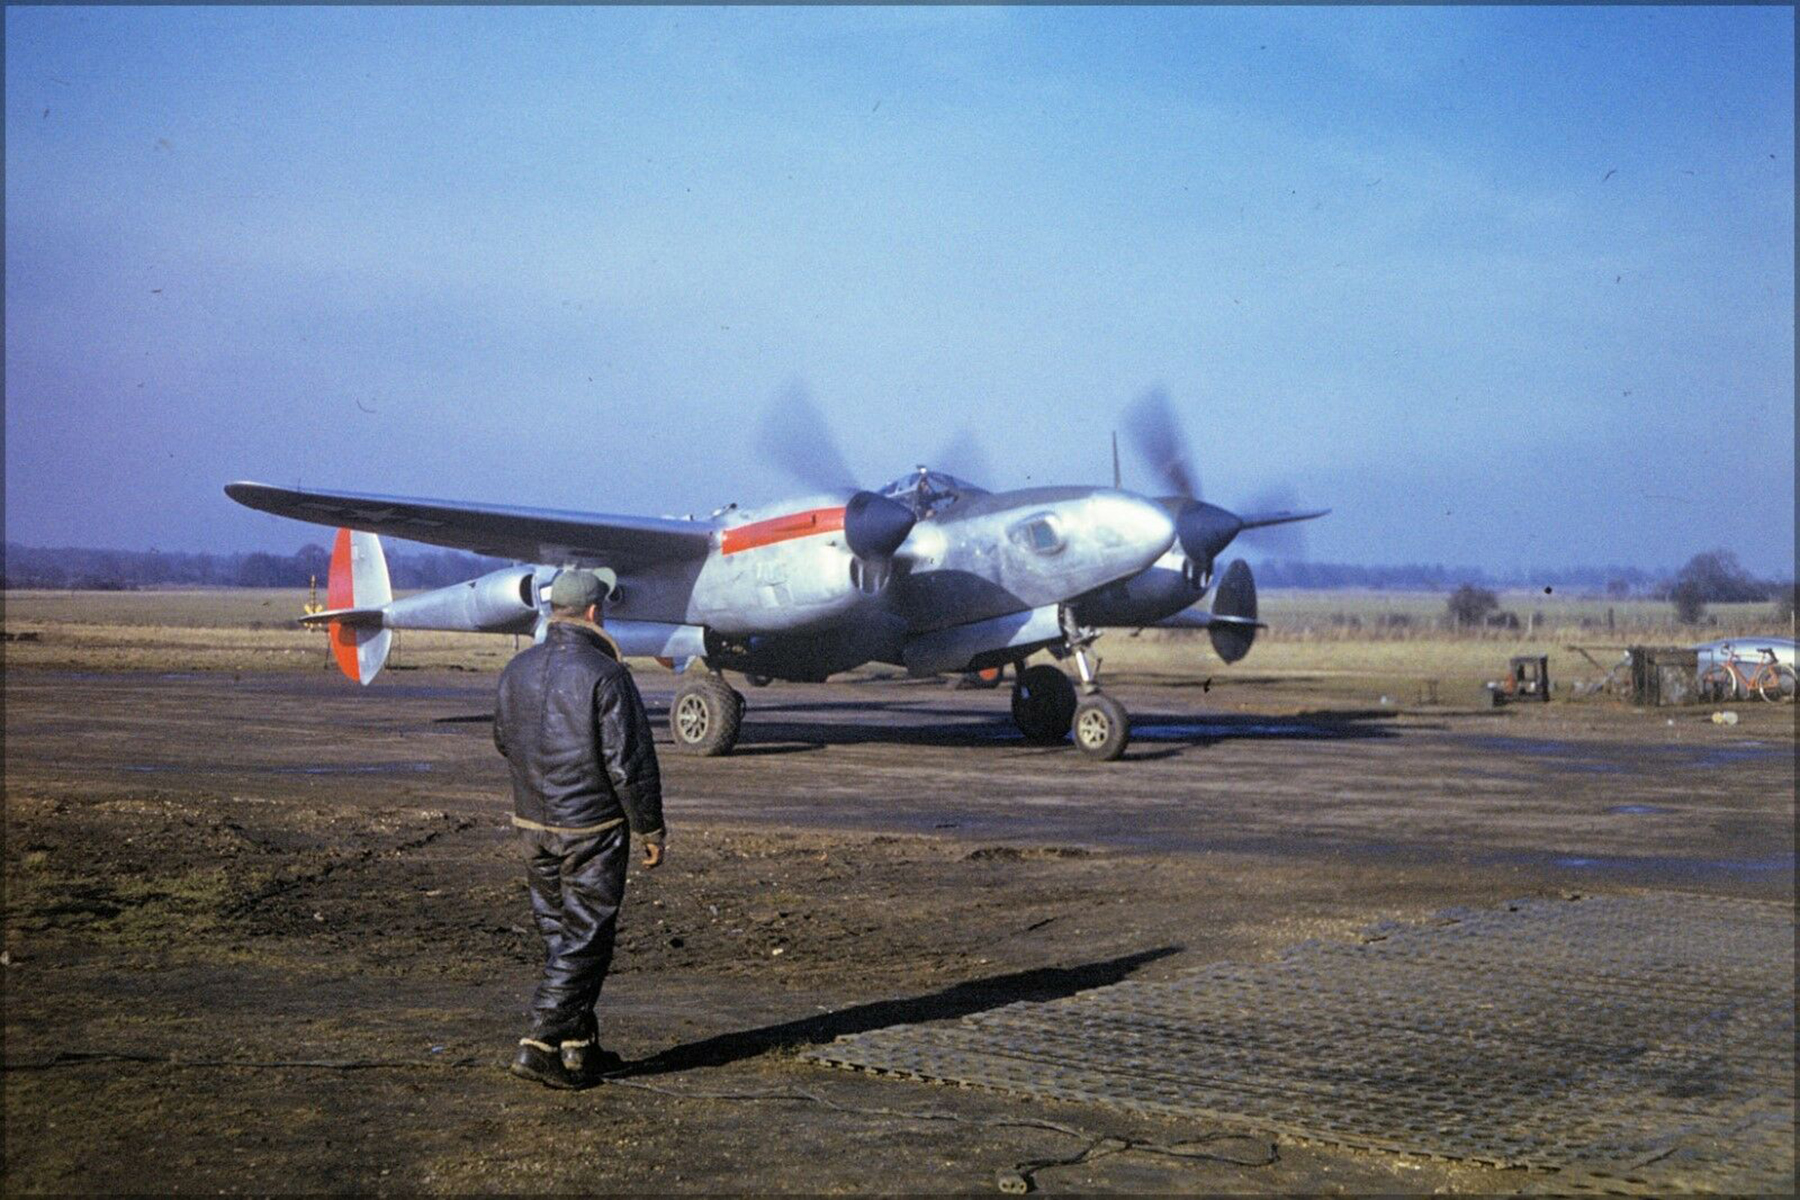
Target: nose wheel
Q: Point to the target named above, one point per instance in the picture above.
(1102, 730)
(1047, 708)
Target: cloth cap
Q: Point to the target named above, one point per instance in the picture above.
(579, 589)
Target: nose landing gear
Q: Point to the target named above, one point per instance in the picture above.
(1102, 730)
(1046, 708)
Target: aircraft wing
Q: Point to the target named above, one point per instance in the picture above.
(536, 535)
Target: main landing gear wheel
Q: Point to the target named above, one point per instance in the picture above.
(1102, 730)
(1043, 704)
(705, 716)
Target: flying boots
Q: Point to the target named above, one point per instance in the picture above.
(583, 1059)
(543, 1063)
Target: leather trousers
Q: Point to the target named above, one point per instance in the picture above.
(577, 884)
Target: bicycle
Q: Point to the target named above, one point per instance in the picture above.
(1726, 678)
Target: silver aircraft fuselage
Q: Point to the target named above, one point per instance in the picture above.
(783, 594)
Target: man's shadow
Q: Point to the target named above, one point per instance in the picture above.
(959, 1000)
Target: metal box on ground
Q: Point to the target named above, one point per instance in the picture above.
(1664, 675)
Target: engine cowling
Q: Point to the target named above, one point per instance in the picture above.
(502, 598)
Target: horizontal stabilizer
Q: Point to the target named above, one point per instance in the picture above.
(368, 617)
(1263, 520)
(1196, 618)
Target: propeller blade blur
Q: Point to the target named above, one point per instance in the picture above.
(962, 457)
(1154, 433)
(1271, 523)
(795, 437)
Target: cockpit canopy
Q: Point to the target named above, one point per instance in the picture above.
(928, 492)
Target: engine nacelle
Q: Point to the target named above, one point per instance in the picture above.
(502, 598)
(1167, 586)
(503, 601)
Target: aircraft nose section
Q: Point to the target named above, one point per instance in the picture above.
(1145, 531)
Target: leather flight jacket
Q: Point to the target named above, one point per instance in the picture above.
(573, 728)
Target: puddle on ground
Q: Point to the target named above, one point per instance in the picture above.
(1605, 759)
(1658, 865)
(1172, 731)
(1725, 756)
(1637, 810)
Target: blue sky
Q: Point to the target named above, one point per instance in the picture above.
(1503, 287)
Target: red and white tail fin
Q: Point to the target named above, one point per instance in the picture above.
(356, 593)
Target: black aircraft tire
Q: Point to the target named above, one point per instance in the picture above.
(705, 715)
(1102, 730)
(1043, 704)
(757, 681)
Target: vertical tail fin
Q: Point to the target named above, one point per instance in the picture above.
(1234, 623)
(358, 580)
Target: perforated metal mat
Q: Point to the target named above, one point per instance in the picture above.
(1624, 1042)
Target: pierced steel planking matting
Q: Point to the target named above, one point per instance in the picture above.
(1626, 1042)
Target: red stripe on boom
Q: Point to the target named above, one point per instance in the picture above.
(781, 529)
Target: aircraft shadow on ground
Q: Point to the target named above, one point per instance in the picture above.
(1154, 734)
(959, 1000)
(785, 728)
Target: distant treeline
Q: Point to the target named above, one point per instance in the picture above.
(128, 570)
(1434, 577)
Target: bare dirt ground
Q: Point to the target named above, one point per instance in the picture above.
(284, 918)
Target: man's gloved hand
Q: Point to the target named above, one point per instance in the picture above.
(653, 854)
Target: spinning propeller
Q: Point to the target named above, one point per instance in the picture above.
(1203, 529)
(795, 437)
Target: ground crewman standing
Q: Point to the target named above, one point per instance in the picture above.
(573, 728)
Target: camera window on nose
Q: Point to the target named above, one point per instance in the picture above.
(1038, 534)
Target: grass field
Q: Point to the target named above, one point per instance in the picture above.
(1391, 643)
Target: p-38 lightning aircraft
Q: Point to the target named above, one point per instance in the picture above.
(930, 573)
